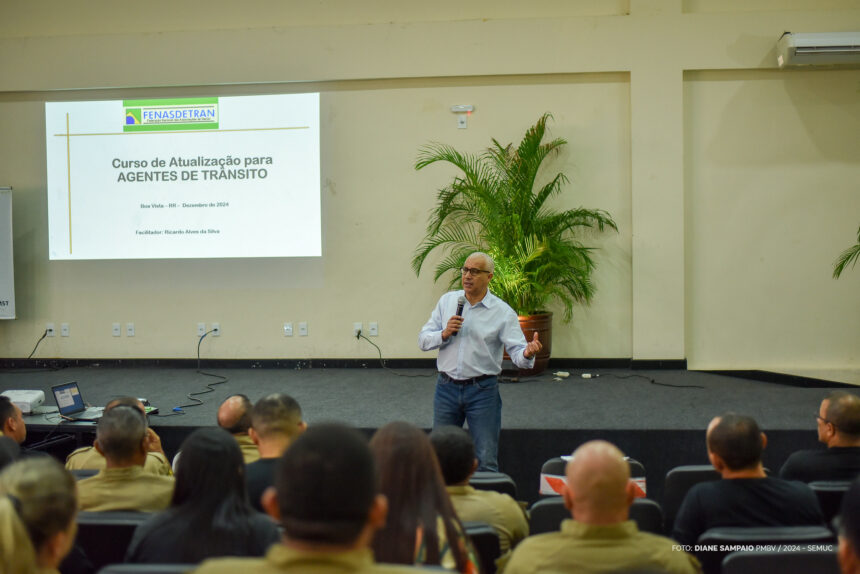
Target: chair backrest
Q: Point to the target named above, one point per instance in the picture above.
(830, 493)
(647, 514)
(498, 481)
(147, 568)
(637, 469)
(763, 562)
(105, 536)
(678, 482)
(552, 476)
(547, 515)
(485, 541)
(715, 544)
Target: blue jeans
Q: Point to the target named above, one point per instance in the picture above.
(478, 404)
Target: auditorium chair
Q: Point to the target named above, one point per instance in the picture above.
(147, 569)
(105, 536)
(548, 513)
(485, 541)
(498, 481)
(678, 482)
(647, 515)
(830, 493)
(763, 562)
(555, 467)
(777, 538)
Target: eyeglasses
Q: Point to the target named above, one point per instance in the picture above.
(824, 420)
(472, 271)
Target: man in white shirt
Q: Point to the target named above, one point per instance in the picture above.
(470, 357)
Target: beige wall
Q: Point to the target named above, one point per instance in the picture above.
(772, 193)
(657, 134)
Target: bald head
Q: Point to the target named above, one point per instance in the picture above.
(598, 490)
(234, 414)
(843, 412)
(126, 402)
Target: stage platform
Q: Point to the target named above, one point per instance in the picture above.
(655, 416)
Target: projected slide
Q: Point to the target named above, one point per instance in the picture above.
(184, 178)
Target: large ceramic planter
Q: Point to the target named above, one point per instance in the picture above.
(543, 325)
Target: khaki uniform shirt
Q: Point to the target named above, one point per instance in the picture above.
(89, 458)
(249, 450)
(279, 559)
(498, 510)
(587, 549)
(127, 488)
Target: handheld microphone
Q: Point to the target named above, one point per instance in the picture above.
(461, 302)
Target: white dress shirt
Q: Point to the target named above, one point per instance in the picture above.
(489, 326)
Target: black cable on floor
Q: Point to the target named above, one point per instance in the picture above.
(387, 368)
(209, 386)
(652, 381)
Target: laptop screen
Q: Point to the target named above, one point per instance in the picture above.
(68, 397)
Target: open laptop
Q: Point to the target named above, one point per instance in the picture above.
(71, 404)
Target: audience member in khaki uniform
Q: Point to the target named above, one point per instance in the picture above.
(37, 516)
(12, 420)
(89, 458)
(600, 538)
(123, 485)
(234, 416)
(326, 497)
(456, 453)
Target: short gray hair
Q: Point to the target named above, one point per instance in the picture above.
(490, 263)
(120, 432)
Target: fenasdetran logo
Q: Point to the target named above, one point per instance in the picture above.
(172, 115)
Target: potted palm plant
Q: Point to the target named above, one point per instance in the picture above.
(498, 204)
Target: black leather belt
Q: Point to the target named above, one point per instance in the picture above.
(466, 381)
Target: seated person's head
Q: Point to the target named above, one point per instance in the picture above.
(735, 443)
(455, 451)
(276, 417)
(12, 420)
(598, 489)
(121, 436)
(38, 504)
(126, 402)
(234, 414)
(839, 419)
(849, 530)
(326, 491)
(9, 451)
(411, 480)
(210, 471)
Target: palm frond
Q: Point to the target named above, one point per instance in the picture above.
(849, 256)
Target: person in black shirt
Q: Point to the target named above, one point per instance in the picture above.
(276, 421)
(838, 420)
(745, 496)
